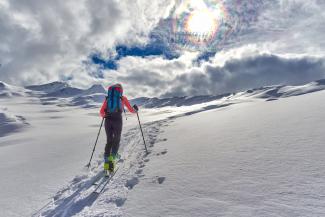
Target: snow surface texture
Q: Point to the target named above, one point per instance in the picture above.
(244, 154)
(10, 123)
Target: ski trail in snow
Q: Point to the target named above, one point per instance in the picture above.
(77, 199)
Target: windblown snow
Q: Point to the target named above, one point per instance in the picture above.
(253, 153)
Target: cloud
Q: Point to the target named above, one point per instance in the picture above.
(42, 41)
(245, 73)
(293, 26)
(277, 41)
(237, 70)
(149, 76)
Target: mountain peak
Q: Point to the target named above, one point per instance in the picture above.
(48, 88)
(98, 88)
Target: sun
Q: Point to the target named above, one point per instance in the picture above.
(201, 22)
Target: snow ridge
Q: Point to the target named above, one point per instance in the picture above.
(10, 123)
(269, 93)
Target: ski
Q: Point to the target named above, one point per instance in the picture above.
(104, 182)
(98, 178)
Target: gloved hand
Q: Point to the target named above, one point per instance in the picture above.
(135, 107)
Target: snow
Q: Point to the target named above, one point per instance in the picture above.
(254, 153)
(10, 123)
(254, 159)
(8, 91)
(49, 88)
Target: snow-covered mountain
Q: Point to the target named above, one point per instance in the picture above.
(63, 90)
(254, 153)
(62, 94)
(269, 93)
(50, 87)
(7, 90)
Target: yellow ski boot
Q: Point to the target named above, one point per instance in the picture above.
(111, 163)
(106, 166)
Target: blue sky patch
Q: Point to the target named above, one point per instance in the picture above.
(106, 64)
(156, 47)
(205, 56)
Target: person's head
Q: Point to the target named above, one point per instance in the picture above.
(118, 86)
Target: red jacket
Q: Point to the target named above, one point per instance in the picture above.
(125, 102)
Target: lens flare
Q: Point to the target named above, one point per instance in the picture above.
(201, 22)
(208, 25)
(198, 23)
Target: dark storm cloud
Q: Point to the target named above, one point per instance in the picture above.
(242, 74)
(142, 79)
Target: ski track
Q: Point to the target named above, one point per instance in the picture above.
(77, 198)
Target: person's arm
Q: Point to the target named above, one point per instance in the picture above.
(103, 109)
(125, 102)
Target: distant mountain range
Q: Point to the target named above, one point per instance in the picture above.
(61, 89)
(62, 94)
(269, 93)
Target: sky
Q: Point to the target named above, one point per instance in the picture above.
(163, 48)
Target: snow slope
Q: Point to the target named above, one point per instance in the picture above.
(252, 159)
(255, 153)
(10, 123)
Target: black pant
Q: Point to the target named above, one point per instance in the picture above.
(113, 128)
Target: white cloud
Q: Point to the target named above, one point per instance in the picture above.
(45, 40)
(42, 41)
(292, 26)
(149, 76)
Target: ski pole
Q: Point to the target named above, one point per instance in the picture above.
(88, 165)
(125, 114)
(144, 141)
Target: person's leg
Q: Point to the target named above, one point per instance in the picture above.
(109, 142)
(116, 130)
(109, 137)
(118, 123)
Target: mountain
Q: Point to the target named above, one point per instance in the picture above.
(48, 88)
(95, 89)
(269, 93)
(175, 101)
(7, 90)
(64, 90)
(62, 94)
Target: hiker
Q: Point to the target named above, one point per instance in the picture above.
(111, 110)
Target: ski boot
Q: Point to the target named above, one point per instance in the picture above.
(111, 163)
(106, 166)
